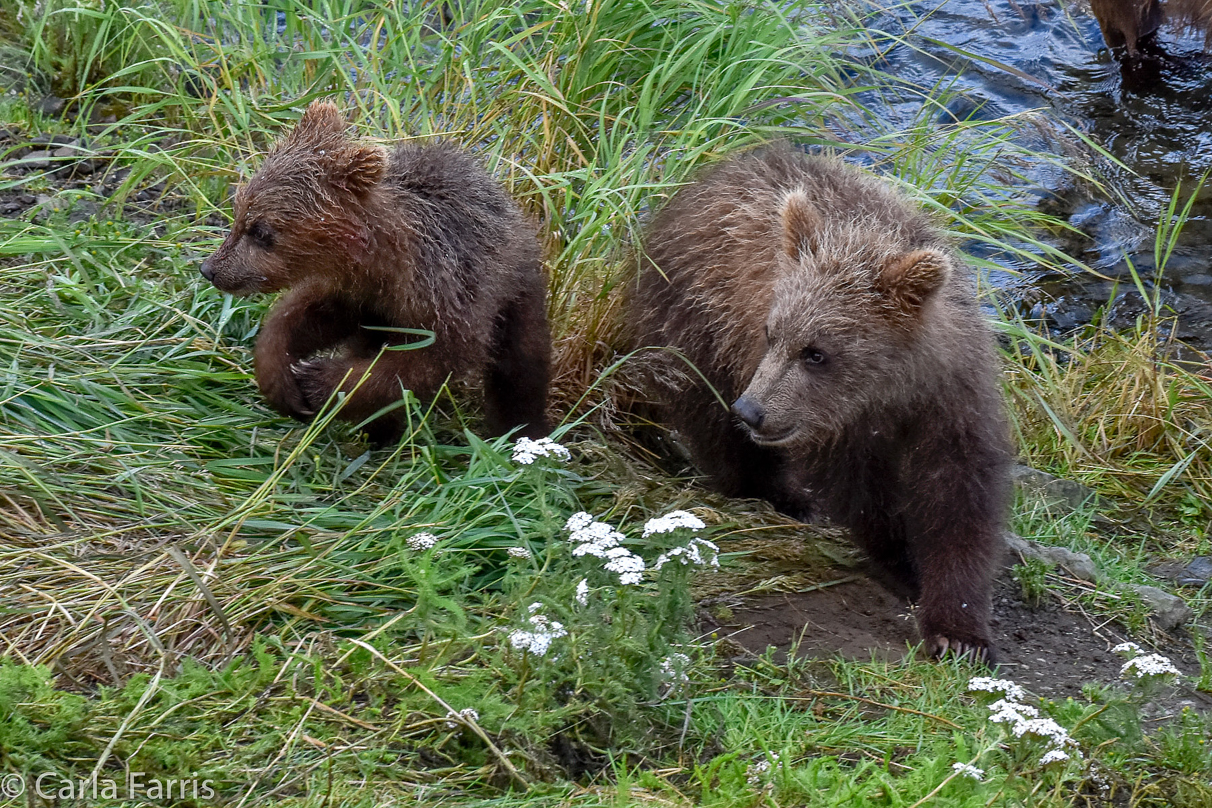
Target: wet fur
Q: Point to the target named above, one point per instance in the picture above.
(902, 437)
(361, 237)
(1129, 23)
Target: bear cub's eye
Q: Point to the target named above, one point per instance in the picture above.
(261, 235)
(812, 356)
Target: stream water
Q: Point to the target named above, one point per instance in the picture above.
(1152, 114)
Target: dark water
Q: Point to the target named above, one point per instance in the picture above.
(1153, 114)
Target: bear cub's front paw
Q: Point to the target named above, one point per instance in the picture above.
(281, 390)
(972, 647)
(315, 378)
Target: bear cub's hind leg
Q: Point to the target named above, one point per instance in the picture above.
(519, 370)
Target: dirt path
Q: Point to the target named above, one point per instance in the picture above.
(1051, 651)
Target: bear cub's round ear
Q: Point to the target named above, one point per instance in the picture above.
(910, 279)
(321, 121)
(357, 167)
(801, 225)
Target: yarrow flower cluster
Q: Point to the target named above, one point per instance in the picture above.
(1024, 720)
(1149, 665)
(762, 769)
(673, 667)
(456, 720)
(698, 552)
(1004, 711)
(582, 596)
(1144, 666)
(421, 541)
(526, 451)
(518, 552)
(987, 684)
(541, 634)
(674, 520)
(968, 770)
(601, 540)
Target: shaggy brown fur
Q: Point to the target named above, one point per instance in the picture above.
(421, 237)
(1127, 23)
(846, 332)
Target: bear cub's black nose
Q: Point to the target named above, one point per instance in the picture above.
(749, 411)
(207, 271)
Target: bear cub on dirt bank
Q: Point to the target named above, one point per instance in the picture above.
(846, 334)
(367, 240)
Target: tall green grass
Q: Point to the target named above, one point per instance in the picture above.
(155, 515)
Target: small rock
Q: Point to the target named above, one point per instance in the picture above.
(1169, 611)
(38, 160)
(1079, 565)
(10, 207)
(81, 164)
(27, 199)
(49, 205)
(82, 210)
(1197, 573)
(54, 140)
(1051, 488)
(50, 105)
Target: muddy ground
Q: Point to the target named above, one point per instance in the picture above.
(1052, 650)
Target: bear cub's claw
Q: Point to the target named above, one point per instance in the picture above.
(311, 376)
(981, 651)
(282, 392)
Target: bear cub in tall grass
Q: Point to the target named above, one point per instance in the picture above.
(845, 332)
(368, 240)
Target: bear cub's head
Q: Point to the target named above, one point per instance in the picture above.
(304, 213)
(845, 330)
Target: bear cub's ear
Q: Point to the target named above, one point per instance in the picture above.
(910, 279)
(357, 167)
(321, 121)
(801, 225)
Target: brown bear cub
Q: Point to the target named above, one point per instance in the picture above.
(845, 332)
(368, 240)
(1130, 23)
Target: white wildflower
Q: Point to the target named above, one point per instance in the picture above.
(673, 667)
(762, 769)
(1045, 728)
(592, 538)
(422, 541)
(582, 596)
(674, 520)
(518, 552)
(456, 720)
(577, 521)
(628, 565)
(1024, 720)
(1128, 649)
(987, 684)
(526, 451)
(1053, 756)
(699, 553)
(541, 634)
(757, 772)
(1149, 665)
(968, 770)
(1010, 712)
